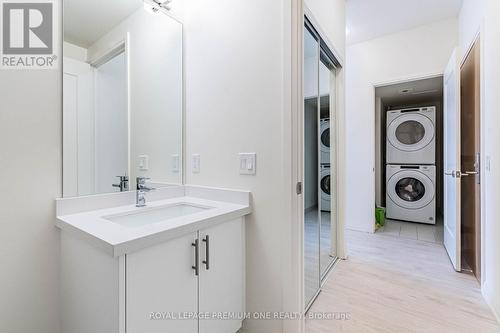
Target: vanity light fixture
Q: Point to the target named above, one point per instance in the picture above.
(154, 6)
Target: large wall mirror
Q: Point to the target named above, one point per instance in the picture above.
(122, 96)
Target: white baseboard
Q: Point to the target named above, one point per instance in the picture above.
(360, 229)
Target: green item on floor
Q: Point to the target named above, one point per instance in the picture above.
(380, 216)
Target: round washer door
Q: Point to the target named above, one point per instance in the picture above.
(325, 136)
(411, 189)
(410, 132)
(325, 182)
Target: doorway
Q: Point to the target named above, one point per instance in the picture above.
(96, 123)
(409, 159)
(470, 188)
(111, 128)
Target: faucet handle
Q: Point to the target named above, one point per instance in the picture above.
(142, 180)
(141, 183)
(123, 184)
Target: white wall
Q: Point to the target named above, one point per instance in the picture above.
(470, 18)
(411, 54)
(331, 16)
(483, 16)
(236, 56)
(30, 159)
(234, 84)
(491, 61)
(74, 52)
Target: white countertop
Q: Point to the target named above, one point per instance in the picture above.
(117, 240)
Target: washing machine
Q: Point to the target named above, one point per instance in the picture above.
(411, 136)
(324, 138)
(411, 193)
(325, 186)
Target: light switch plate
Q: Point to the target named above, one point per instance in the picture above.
(195, 163)
(143, 162)
(248, 164)
(175, 163)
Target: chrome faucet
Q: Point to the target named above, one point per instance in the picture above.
(123, 184)
(142, 189)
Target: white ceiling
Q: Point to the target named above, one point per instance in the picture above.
(410, 93)
(86, 21)
(369, 19)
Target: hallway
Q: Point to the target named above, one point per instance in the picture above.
(396, 284)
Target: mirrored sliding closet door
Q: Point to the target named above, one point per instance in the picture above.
(320, 201)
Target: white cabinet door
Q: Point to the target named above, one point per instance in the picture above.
(222, 269)
(161, 283)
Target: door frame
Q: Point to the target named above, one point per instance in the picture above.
(299, 13)
(293, 285)
(294, 154)
(334, 157)
(376, 85)
(477, 38)
(461, 59)
(339, 127)
(121, 45)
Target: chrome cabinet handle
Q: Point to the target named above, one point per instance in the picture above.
(206, 240)
(196, 257)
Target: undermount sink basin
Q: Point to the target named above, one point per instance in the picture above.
(149, 216)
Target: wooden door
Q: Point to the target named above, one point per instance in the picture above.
(470, 161)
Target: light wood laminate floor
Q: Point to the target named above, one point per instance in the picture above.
(398, 285)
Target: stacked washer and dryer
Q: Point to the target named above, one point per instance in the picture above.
(324, 182)
(411, 165)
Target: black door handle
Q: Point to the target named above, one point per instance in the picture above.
(196, 257)
(207, 252)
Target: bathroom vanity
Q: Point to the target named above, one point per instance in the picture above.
(176, 265)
